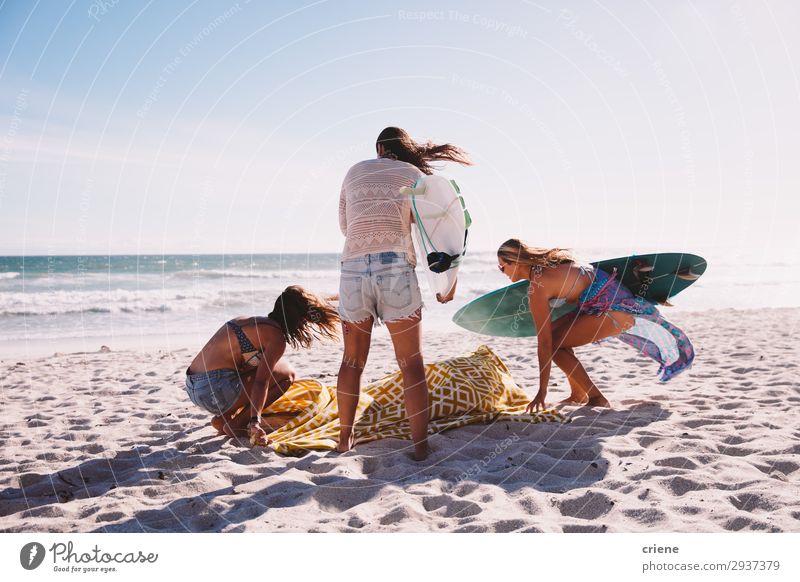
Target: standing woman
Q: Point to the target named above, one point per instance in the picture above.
(378, 282)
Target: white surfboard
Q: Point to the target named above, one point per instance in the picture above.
(440, 227)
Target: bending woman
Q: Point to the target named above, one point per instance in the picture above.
(606, 309)
(378, 281)
(241, 364)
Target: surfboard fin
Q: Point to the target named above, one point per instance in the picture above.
(687, 274)
(467, 217)
(641, 268)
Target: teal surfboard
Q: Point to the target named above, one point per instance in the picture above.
(656, 277)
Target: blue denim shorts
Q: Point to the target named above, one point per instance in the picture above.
(215, 391)
(383, 286)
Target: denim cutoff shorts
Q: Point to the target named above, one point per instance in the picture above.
(215, 391)
(379, 285)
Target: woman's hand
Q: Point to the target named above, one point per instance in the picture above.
(449, 297)
(537, 404)
(257, 435)
(445, 298)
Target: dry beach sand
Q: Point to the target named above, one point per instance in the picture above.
(108, 442)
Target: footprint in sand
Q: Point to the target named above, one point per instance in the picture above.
(752, 502)
(508, 525)
(356, 522)
(397, 515)
(588, 506)
(646, 516)
(341, 497)
(446, 506)
(745, 523)
(676, 463)
(680, 486)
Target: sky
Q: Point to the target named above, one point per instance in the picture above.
(227, 127)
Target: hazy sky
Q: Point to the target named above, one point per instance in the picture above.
(148, 127)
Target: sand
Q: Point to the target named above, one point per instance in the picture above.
(108, 442)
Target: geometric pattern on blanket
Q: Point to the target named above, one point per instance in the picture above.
(468, 389)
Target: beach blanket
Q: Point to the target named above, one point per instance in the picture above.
(469, 389)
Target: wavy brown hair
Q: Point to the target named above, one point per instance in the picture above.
(399, 145)
(516, 251)
(304, 317)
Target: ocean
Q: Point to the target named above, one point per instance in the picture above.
(79, 303)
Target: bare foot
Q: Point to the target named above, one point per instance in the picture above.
(224, 428)
(421, 451)
(596, 398)
(575, 400)
(600, 401)
(346, 442)
(219, 424)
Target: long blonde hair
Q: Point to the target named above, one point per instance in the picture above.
(516, 251)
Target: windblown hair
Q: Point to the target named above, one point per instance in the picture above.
(516, 251)
(304, 317)
(399, 145)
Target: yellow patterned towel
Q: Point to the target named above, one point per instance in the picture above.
(474, 388)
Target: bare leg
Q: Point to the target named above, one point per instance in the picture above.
(407, 338)
(357, 337)
(583, 330)
(283, 376)
(578, 391)
(225, 423)
(262, 395)
(232, 424)
(579, 382)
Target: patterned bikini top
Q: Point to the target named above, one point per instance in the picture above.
(250, 354)
(584, 270)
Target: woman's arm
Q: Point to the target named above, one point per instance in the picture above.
(273, 345)
(540, 310)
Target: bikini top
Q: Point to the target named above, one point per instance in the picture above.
(559, 301)
(250, 354)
